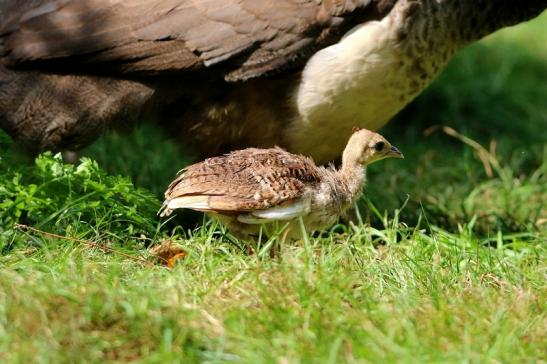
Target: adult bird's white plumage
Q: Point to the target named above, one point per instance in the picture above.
(359, 78)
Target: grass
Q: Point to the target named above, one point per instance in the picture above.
(448, 266)
(425, 298)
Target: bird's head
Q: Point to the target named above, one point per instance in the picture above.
(365, 147)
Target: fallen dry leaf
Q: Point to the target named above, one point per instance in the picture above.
(168, 253)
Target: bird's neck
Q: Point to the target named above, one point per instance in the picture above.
(351, 177)
(438, 22)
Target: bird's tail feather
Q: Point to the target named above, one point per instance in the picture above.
(164, 209)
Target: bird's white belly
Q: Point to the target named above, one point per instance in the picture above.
(361, 81)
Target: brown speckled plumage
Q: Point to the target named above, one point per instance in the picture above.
(250, 187)
(248, 179)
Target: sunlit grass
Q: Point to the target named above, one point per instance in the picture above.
(395, 294)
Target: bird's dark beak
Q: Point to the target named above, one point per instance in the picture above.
(395, 153)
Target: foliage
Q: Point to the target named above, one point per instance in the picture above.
(61, 197)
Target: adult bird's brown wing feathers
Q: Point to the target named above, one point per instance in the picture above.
(245, 38)
(245, 180)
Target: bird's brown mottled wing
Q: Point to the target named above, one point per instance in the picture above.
(246, 180)
(244, 38)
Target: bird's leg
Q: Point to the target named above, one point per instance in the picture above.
(352, 215)
(285, 234)
(249, 248)
(279, 242)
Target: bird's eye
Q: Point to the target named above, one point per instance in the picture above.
(379, 146)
